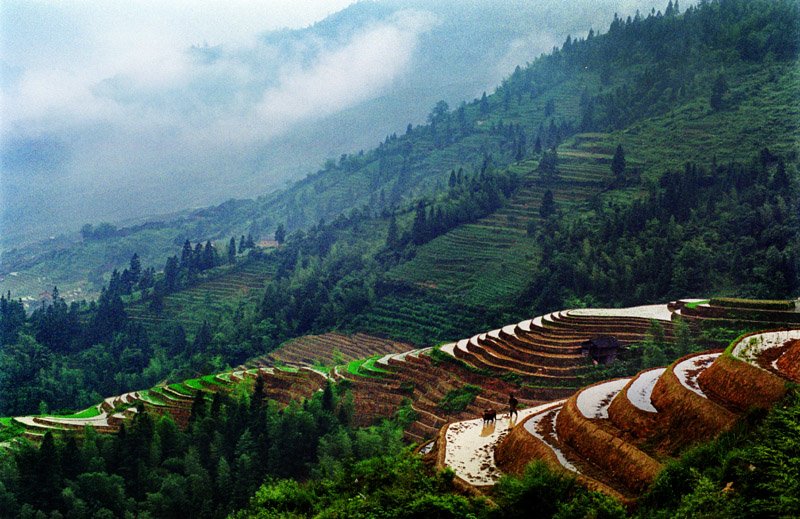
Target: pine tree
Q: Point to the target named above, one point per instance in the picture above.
(280, 234)
(419, 229)
(232, 251)
(392, 239)
(197, 258)
(618, 165)
(548, 206)
(135, 268)
(717, 91)
(548, 166)
(186, 255)
(209, 256)
(202, 340)
(171, 273)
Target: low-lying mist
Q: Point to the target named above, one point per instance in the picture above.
(113, 122)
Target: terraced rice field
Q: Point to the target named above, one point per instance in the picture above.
(614, 436)
(203, 301)
(327, 349)
(492, 258)
(417, 318)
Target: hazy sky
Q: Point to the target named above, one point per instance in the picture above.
(101, 98)
(68, 62)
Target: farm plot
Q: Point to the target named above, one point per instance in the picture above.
(417, 318)
(328, 349)
(491, 259)
(191, 306)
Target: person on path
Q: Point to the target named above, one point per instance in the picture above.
(512, 406)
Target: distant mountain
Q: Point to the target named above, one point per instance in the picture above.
(245, 121)
(666, 106)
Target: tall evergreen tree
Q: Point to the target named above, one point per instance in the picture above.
(548, 207)
(171, 269)
(186, 255)
(419, 229)
(392, 238)
(618, 165)
(717, 91)
(135, 268)
(209, 256)
(280, 234)
(232, 251)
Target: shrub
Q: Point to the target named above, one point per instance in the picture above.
(457, 400)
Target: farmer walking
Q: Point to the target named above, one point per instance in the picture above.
(512, 406)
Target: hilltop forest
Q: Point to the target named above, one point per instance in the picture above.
(655, 161)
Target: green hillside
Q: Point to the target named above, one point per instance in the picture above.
(653, 163)
(205, 300)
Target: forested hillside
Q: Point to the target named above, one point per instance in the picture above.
(654, 162)
(524, 211)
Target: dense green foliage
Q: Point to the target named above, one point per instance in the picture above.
(154, 469)
(728, 228)
(405, 269)
(679, 198)
(456, 400)
(402, 486)
(751, 471)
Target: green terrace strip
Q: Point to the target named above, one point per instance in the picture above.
(370, 365)
(180, 388)
(696, 303)
(86, 413)
(151, 397)
(288, 369)
(212, 379)
(354, 368)
(10, 429)
(764, 304)
(194, 383)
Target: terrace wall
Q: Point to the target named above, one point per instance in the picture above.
(617, 457)
(690, 416)
(789, 363)
(630, 418)
(741, 384)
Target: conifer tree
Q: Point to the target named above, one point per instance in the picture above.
(186, 255)
(232, 251)
(618, 165)
(280, 234)
(717, 91)
(135, 268)
(209, 256)
(419, 231)
(392, 239)
(548, 206)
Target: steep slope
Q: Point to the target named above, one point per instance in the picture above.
(628, 428)
(643, 94)
(616, 435)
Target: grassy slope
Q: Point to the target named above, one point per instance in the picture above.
(203, 301)
(488, 261)
(762, 109)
